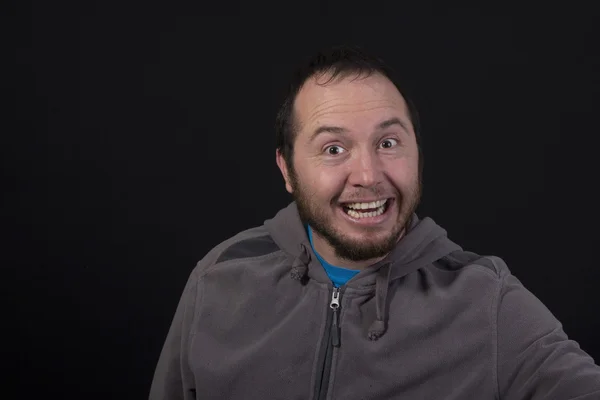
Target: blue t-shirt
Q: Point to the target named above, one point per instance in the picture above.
(338, 275)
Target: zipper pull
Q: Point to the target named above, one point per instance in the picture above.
(335, 298)
(335, 329)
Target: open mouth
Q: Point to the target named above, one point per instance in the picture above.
(367, 210)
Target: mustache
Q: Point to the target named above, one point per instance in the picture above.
(361, 194)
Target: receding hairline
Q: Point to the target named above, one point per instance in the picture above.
(334, 76)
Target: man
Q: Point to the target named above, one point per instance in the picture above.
(346, 293)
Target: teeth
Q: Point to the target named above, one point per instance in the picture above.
(358, 215)
(379, 206)
(365, 206)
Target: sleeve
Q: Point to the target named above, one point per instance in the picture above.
(173, 378)
(536, 359)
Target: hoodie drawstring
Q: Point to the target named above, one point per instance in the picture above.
(299, 270)
(382, 283)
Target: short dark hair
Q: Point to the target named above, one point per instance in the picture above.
(339, 62)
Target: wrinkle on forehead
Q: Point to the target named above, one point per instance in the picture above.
(346, 96)
(342, 108)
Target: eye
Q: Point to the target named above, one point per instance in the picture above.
(388, 143)
(334, 150)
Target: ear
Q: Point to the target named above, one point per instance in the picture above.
(284, 170)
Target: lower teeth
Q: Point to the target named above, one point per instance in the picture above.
(358, 215)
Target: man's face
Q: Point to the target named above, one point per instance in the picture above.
(355, 173)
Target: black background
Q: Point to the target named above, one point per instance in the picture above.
(144, 137)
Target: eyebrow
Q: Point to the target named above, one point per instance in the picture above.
(340, 130)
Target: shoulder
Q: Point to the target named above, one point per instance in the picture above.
(463, 261)
(249, 244)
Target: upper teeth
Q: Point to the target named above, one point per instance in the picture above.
(364, 206)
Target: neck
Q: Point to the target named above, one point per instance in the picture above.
(327, 252)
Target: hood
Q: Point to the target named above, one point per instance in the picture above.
(424, 243)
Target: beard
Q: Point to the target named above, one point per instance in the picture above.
(345, 247)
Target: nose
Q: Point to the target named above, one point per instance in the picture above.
(366, 170)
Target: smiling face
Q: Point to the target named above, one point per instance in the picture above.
(355, 173)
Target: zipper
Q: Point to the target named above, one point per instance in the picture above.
(331, 340)
(335, 328)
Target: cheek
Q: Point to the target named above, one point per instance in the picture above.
(325, 183)
(403, 173)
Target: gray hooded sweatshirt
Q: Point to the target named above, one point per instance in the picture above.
(260, 319)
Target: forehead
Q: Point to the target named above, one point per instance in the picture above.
(353, 99)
